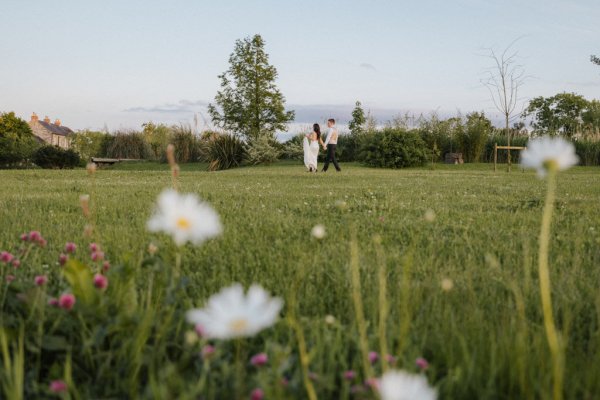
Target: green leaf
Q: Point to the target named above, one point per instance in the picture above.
(80, 278)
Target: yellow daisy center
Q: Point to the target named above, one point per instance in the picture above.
(551, 164)
(238, 325)
(183, 223)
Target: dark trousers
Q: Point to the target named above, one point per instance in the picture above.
(331, 157)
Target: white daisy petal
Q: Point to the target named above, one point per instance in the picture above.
(546, 149)
(401, 385)
(185, 218)
(231, 313)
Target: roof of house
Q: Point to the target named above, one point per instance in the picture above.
(56, 129)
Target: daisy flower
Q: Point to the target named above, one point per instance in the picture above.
(185, 218)
(233, 314)
(547, 153)
(400, 385)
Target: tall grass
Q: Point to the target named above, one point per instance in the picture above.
(483, 335)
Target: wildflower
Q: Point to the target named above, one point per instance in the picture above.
(373, 383)
(35, 236)
(58, 386)
(447, 284)
(66, 301)
(42, 242)
(62, 259)
(100, 281)
(16, 263)
(207, 351)
(232, 314)
(40, 280)
(152, 249)
(400, 385)
(97, 256)
(6, 257)
(105, 266)
(329, 319)
(390, 359)
(91, 168)
(70, 248)
(94, 247)
(185, 218)
(257, 394)
(373, 357)
(199, 330)
(546, 153)
(422, 363)
(260, 359)
(53, 301)
(349, 375)
(318, 231)
(429, 215)
(24, 237)
(10, 278)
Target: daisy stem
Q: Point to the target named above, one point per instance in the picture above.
(358, 306)
(239, 370)
(383, 304)
(545, 290)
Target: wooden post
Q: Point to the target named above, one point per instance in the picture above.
(495, 155)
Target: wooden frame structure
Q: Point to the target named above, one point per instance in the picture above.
(509, 148)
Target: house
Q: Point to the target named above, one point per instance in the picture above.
(51, 133)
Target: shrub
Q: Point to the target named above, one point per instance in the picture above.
(262, 150)
(393, 148)
(222, 151)
(17, 142)
(292, 149)
(348, 147)
(588, 152)
(500, 138)
(88, 144)
(158, 137)
(129, 145)
(472, 138)
(187, 145)
(54, 157)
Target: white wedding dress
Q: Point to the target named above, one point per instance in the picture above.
(311, 153)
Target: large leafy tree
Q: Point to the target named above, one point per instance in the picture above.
(17, 142)
(249, 103)
(559, 114)
(357, 124)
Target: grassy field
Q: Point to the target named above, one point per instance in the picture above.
(483, 334)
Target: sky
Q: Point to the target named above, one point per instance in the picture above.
(117, 64)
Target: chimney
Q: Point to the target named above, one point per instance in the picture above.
(57, 122)
(46, 119)
(34, 117)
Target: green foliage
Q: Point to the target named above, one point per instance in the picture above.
(293, 149)
(262, 150)
(17, 142)
(129, 144)
(222, 151)
(472, 138)
(588, 151)
(187, 145)
(565, 113)
(54, 157)
(158, 137)
(249, 103)
(89, 144)
(393, 148)
(358, 121)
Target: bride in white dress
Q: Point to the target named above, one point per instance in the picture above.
(311, 148)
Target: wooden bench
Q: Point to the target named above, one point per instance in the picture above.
(110, 161)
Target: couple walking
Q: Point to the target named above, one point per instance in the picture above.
(311, 147)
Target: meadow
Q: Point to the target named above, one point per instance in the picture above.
(457, 247)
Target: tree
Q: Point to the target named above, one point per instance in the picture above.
(559, 114)
(249, 103)
(17, 142)
(358, 121)
(595, 59)
(503, 81)
(473, 137)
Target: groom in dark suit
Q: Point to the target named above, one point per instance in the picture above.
(330, 145)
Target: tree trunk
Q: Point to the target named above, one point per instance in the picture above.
(508, 140)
